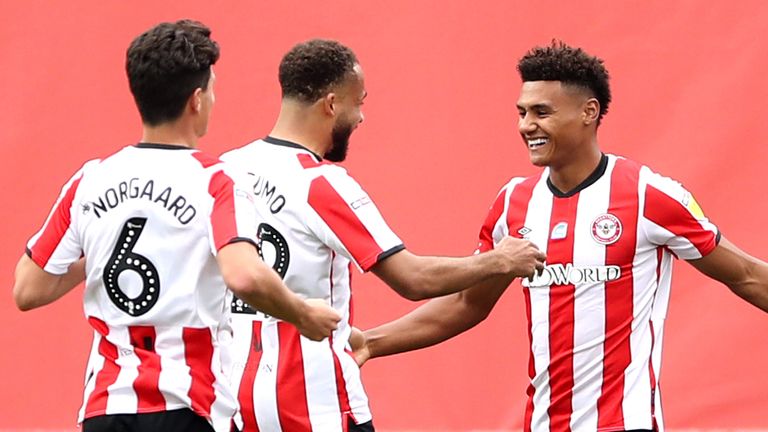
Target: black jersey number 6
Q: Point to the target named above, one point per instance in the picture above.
(125, 259)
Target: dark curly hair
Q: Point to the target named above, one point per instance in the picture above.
(569, 65)
(311, 68)
(166, 64)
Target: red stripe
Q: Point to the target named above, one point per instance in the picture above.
(198, 352)
(97, 401)
(561, 318)
(292, 407)
(205, 159)
(223, 214)
(351, 297)
(494, 213)
(245, 393)
(343, 222)
(619, 294)
(55, 228)
(146, 383)
(669, 213)
(518, 208)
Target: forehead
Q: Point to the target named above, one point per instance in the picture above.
(547, 93)
(355, 81)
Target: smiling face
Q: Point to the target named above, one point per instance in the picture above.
(557, 122)
(349, 114)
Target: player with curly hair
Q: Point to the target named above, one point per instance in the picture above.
(156, 230)
(611, 229)
(317, 223)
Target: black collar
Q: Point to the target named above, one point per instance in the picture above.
(162, 146)
(595, 176)
(280, 142)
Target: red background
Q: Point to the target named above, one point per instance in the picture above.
(439, 139)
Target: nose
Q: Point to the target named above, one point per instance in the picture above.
(362, 117)
(526, 125)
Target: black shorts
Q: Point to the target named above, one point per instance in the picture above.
(165, 421)
(362, 427)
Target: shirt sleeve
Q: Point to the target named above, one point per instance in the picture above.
(56, 246)
(676, 221)
(348, 220)
(233, 216)
(489, 232)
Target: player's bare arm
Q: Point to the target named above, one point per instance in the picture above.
(745, 275)
(253, 281)
(420, 277)
(34, 287)
(433, 322)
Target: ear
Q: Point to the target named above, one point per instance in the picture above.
(591, 111)
(328, 104)
(195, 102)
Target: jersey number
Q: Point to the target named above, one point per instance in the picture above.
(270, 235)
(124, 259)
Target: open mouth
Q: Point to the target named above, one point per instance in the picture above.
(534, 143)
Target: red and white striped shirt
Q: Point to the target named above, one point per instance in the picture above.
(316, 222)
(596, 314)
(149, 220)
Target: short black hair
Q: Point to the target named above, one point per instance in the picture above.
(166, 64)
(310, 69)
(569, 65)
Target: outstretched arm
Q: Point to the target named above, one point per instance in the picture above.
(433, 322)
(745, 275)
(34, 287)
(420, 277)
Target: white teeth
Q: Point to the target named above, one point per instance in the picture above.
(536, 142)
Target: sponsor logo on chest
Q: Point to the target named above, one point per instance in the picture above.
(569, 274)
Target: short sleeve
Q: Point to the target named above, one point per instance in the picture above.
(348, 220)
(489, 230)
(676, 221)
(56, 246)
(233, 216)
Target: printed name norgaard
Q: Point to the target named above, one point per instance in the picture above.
(136, 189)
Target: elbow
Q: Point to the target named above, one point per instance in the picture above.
(23, 301)
(243, 283)
(417, 289)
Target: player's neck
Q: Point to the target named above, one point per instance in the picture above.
(169, 133)
(567, 176)
(300, 124)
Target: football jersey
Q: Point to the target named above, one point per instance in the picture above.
(596, 313)
(149, 221)
(316, 223)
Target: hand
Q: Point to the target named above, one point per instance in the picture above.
(358, 344)
(319, 321)
(522, 258)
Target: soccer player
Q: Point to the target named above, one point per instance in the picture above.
(161, 227)
(610, 228)
(318, 223)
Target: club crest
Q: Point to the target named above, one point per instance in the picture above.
(606, 229)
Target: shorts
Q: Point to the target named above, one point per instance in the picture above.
(362, 427)
(181, 420)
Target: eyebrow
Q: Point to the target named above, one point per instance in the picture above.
(537, 106)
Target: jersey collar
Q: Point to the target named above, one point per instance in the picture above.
(162, 146)
(284, 143)
(595, 176)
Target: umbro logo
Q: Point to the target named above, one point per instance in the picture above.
(524, 231)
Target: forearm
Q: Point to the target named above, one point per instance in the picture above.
(445, 275)
(433, 322)
(272, 297)
(754, 286)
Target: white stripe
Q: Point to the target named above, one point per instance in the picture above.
(265, 384)
(122, 398)
(320, 381)
(174, 381)
(95, 364)
(537, 219)
(589, 306)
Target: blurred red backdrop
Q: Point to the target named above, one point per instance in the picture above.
(439, 139)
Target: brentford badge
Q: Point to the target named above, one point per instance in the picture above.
(606, 229)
